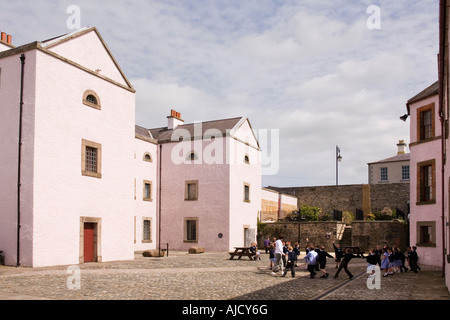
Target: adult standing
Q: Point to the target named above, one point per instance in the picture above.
(278, 255)
(267, 244)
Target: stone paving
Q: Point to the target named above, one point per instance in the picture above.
(210, 276)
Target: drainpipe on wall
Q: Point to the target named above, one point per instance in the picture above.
(22, 59)
(159, 203)
(441, 61)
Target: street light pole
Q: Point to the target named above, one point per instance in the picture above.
(338, 159)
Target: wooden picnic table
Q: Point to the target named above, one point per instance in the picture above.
(240, 252)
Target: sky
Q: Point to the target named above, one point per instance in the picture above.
(313, 74)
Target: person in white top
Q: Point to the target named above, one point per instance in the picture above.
(278, 255)
(311, 259)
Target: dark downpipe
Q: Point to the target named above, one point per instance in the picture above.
(441, 59)
(159, 205)
(22, 59)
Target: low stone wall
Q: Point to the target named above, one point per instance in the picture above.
(365, 234)
(368, 234)
(367, 198)
(317, 232)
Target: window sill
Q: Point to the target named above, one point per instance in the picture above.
(190, 241)
(147, 241)
(421, 203)
(92, 105)
(429, 245)
(190, 199)
(147, 199)
(91, 174)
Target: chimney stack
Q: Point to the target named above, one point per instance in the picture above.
(6, 38)
(174, 120)
(401, 147)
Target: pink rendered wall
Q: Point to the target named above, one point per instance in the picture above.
(9, 133)
(62, 195)
(211, 208)
(144, 170)
(425, 212)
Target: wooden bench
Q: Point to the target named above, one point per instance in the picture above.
(242, 252)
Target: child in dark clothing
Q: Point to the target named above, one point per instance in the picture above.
(337, 254)
(402, 257)
(291, 256)
(344, 263)
(297, 253)
(322, 260)
(372, 261)
(413, 258)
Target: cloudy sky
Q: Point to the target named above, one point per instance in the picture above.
(311, 70)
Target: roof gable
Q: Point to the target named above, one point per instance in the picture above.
(87, 48)
(243, 131)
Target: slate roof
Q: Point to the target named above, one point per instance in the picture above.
(164, 134)
(399, 157)
(426, 93)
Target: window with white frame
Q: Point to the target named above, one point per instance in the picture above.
(405, 172)
(383, 174)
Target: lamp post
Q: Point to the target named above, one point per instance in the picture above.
(338, 159)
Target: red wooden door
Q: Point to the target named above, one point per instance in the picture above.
(89, 242)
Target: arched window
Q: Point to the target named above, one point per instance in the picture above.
(148, 157)
(91, 99)
(192, 156)
(247, 159)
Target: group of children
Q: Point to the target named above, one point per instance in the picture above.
(391, 260)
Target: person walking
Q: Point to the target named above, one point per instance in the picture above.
(385, 262)
(291, 256)
(413, 258)
(311, 259)
(344, 263)
(322, 259)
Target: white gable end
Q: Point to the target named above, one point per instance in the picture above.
(244, 132)
(87, 49)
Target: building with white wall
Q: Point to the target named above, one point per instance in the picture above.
(394, 169)
(80, 182)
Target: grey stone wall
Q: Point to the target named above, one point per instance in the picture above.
(368, 234)
(368, 198)
(365, 234)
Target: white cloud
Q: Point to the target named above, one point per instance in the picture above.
(309, 68)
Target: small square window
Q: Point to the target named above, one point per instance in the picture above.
(147, 231)
(246, 192)
(191, 190)
(91, 159)
(191, 229)
(147, 191)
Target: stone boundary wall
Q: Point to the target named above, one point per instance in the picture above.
(368, 234)
(317, 232)
(368, 198)
(365, 234)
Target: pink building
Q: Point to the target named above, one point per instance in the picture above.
(443, 110)
(80, 182)
(426, 182)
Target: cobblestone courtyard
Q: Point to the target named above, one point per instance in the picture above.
(211, 276)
